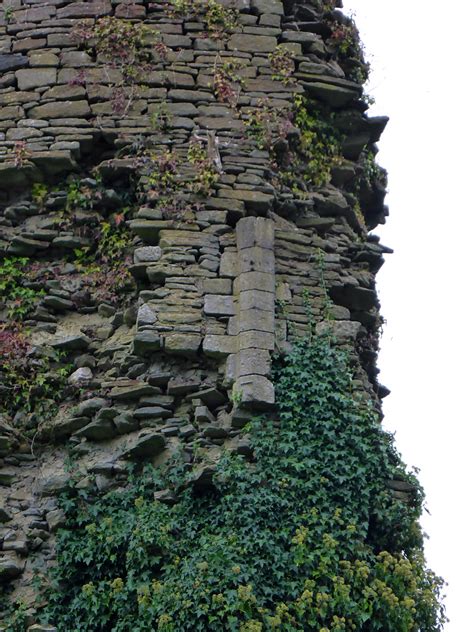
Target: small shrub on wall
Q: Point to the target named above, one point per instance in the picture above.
(305, 537)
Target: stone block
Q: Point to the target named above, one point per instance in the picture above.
(252, 43)
(248, 281)
(145, 445)
(60, 109)
(182, 344)
(63, 93)
(256, 340)
(264, 84)
(146, 343)
(13, 112)
(12, 62)
(54, 162)
(254, 391)
(202, 414)
(235, 206)
(211, 397)
(190, 96)
(146, 316)
(217, 286)
(98, 430)
(44, 60)
(147, 254)
(341, 330)
(130, 11)
(229, 264)
(256, 299)
(148, 229)
(78, 342)
(253, 361)
(256, 319)
(219, 123)
(254, 200)
(255, 231)
(334, 95)
(268, 6)
(173, 238)
(257, 259)
(85, 10)
(132, 390)
(219, 305)
(28, 43)
(216, 346)
(162, 78)
(151, 412)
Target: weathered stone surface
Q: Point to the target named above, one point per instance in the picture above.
(80, 377)
(253, 200)
(257, 299)
(11, 112)
(190, 96)
(170, 238)
(53, 485)
(254, 390)
(34, 78)
(145, 445)
(217, 286)
(268, 6)
(94, 9)
(248, 281)
(151, 412)
(188, 355)
(254, 362)
(182, 344)
(147, 254)
(256, 320)
(44, 60)
(78, 342)
(55, 519)
(257, 259)
(10, 569)
(252, 43)
(98, 430)
(89, 407)
(229, 266)
(133, 390)
(12, 62)
(60, 109)
(219, 346)
(256, 340)
(147, 342)
(255, 231)
(148, 230)
(334, 95)
(218, 305)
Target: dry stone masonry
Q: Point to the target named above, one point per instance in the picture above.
(182, 192)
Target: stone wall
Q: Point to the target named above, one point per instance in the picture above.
(222, 276)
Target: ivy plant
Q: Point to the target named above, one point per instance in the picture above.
(305, 536)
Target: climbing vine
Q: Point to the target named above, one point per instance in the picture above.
(306, 537)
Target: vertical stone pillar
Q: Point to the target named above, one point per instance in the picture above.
(255, 318)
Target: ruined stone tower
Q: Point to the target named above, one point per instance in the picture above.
(187, 190)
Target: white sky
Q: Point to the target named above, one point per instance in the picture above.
(421, 54)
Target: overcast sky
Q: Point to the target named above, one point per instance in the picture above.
(422, 53)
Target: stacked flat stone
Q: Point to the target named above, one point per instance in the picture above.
(219, 290)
